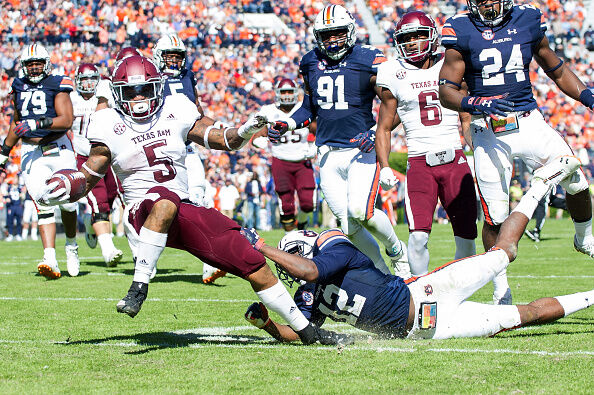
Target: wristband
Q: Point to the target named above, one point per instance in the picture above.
(554, 68)
(444, 81)
(6, 149)
(587, 98)
(466, 103)
(206, 132)
(259, 244)
(92, 172)
(225, 138)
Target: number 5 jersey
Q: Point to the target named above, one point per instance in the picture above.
(149, 153)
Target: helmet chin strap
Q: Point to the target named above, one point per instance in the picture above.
(140, 107)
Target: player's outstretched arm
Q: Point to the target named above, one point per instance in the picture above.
(295, 265)
(451, 77)
(97, 165)
(563, 77)
(215, 135)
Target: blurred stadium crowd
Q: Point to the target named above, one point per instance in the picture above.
(236, 67)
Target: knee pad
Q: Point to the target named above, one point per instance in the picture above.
(497, 211)
(46, 217)
(575, 183)
(69, 207)
(418, 241)
(99, 217)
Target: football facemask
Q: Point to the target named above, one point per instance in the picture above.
(297, 242)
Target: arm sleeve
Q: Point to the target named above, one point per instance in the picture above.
(305, 114)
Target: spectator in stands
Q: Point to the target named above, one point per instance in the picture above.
(228, 196)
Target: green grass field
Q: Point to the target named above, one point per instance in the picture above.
(65, 335)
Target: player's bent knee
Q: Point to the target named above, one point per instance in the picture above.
(99, 217)
(349, 226)
(45, 217)
(575, 184)
(69, 207)
(498, 212)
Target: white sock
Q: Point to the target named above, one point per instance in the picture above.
(105, 242)
(34, 232)
(365, 242)
(464, 247)
(70, 241)
(49, 254)
(150, 246)
(277, 299)
(380, 226)
(576, 302)
(24, 234)
(583, 231)
(530, 200)
(500, 284)
(418, 253)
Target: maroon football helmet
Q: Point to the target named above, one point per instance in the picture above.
(414, 23)
(127, 51)
(137, 86)
(86, 78)
(286, 92)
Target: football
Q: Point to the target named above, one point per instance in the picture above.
(72, 180)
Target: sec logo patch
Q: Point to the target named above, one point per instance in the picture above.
(488, 34)
(428, 289)
(119, 128)
(401, 74)
(307, 298)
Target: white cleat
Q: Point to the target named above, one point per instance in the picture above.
(506, 299)
(113, 258)
(557, 170)
(153, 273)
(211, 273)
(49, 269)
(399, 261)
(72, 262)
(586, 248)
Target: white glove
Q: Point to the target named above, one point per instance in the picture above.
(3, 159)
(387, 178)
(55, 198)
(247, 130)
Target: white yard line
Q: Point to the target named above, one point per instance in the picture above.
(199, 300)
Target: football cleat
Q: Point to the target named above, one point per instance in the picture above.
(210, 274)
(72, 261)
(586, 248)
(557, 170)
(113, 258)
(312, 333)
(506, 299)
(132, 302)
(90, 236)
(533, 235)
(399, 261)
(49, 269)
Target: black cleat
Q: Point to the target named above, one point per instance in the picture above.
(312, 333)
(533, 235)
(132, 302)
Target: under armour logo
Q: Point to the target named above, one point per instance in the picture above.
(512, 31)
(487, 103)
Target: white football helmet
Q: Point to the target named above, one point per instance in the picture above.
(169, 43)
(300, 242)
(33, 52)
(334, 18)
(490, 16)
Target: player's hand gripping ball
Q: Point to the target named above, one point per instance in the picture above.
(64, 186)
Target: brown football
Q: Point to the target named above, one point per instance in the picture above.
(72, 180)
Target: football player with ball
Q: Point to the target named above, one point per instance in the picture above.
(143, 138)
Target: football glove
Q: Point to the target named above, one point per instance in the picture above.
(22, 129)
(253, 237)
(257, 315)
(279, 128)
(365, 140)
(491, 105)
(387, 178)
(248, 129)
(52, 197)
